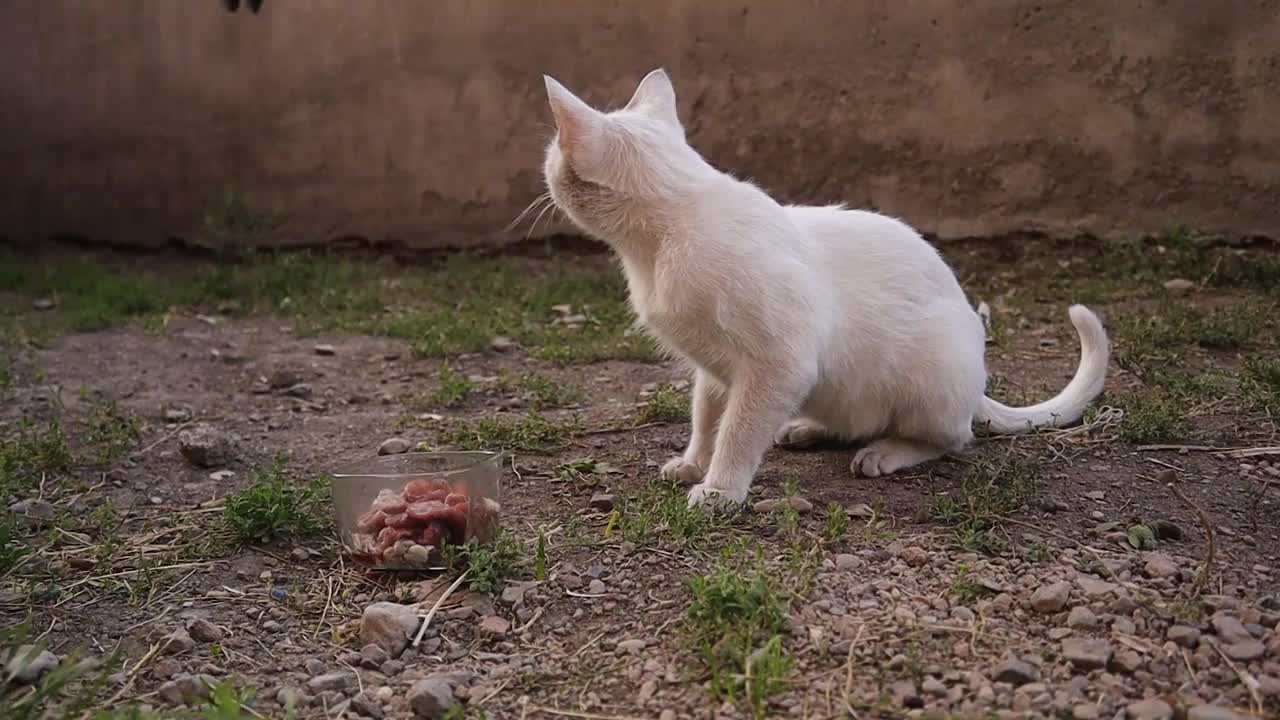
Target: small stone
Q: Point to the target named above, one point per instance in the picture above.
(1124, 626)
(1149, 709)
(272, 626)
(301, 390)
(1229, 628)
(300, 554)
(1159, 565)
(374, 656)
(34, 512)
(334, 681)
(1086, 653)
(1050, 598)
(165, 668)
(1097, 515)
(602, 502)
(632, 647)
(596, 587)
(177, 642)
(389, 626)
(1187, 637)
(1053, 505)
(647, 690)
(495, 626)
(1081, 618)
(394, 446)
(1084, 711)
(915, 556)
(1093, 587)
(766, 506)
(1244, 650)
(282, 378)
(1128, 661)
(1015, 672)
(202, 630)
(325, 349)
(418, 555)
(26, 664)
(1179, 285)
(176, 415)
(186, 689)
(1097, 495)
(44, 303)
(222, 475)
(905, 694)
(1167, 530)
(846, 562)
(502, 343)
(431, 697)
(367, 705)
(204, 446)
(800, 505)
(513, 593)
(1214, 712)
(289, 697)
(933, 686)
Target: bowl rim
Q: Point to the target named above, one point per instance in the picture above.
(366, 467)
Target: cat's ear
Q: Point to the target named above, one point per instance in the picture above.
(578, 123)
(657, 96)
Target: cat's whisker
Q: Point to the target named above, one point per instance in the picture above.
(538, 202)
(534, 227)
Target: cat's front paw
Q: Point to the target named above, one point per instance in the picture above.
(703, 495)
(679, 470)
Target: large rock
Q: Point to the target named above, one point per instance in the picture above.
(205, 446)
(432, 697)
(1015, 672)
(389, 625)
(1087, 653)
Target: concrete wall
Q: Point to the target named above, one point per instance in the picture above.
(423, 121)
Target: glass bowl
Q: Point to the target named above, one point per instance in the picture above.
(397, 512)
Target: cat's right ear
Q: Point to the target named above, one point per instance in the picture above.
(576, 121)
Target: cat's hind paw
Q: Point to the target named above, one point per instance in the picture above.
(679, 470)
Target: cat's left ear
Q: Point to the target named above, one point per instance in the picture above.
(656, 96)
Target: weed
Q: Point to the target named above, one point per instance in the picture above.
(529, 432)
(1154, 417)
(965, 589)
(13, 546)
(1262, 382)
(233, 224)
(836, 523)
(30, 454)
(70, 689)
(666, 405)
(272, 506)
(110, 431)
(542, 392)
(453, 388)
(661, 510)
(488, 566)
(582, 471)
(987, 493)
(735, 621)
(1230, 328)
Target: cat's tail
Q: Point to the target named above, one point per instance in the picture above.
(1069, 405)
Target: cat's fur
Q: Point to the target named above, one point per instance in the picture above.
(801, 322)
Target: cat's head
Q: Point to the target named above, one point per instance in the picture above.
(601, 166)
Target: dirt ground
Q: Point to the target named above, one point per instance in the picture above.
(1050, 576)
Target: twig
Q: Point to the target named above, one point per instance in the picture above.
(1188, 448)
(1246, 678)
(577, 714)
(417, 639)
(165, 437)
(133, 672)
(1169, 478)
(848, 669)
(536, 614)
(1251, 452)
(619, 429)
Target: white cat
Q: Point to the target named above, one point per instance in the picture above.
(801, 322)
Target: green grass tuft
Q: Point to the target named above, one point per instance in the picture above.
(666, 405)
(273, 506)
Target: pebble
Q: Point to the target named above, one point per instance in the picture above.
(1229, 628)
(1179, 285)
(596, 587)
(1093, 587)
(1214, 712)
(933, 686)
(34, 511)
(1087, 653)
(1050, 598)
(846, 562)
(495, 626)
(333, 681)
(1167, 530)
(289, 697)
(770, 505)
(367, 705)
(1159, 565)
(1245, 650)
(272, 626)
(1150, 709)
(44, 303)
(178, 642)
(389, 626)
(1128, 661)
(1187, 637)
(26, 665)
(633, 646)
(186, 688)
(602, 502)
(1015, 672)
(202, 630)
(1081, 618)
(394, 446)
(431, 697)
(502, 344)
(325, 349)
(1084, 711)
